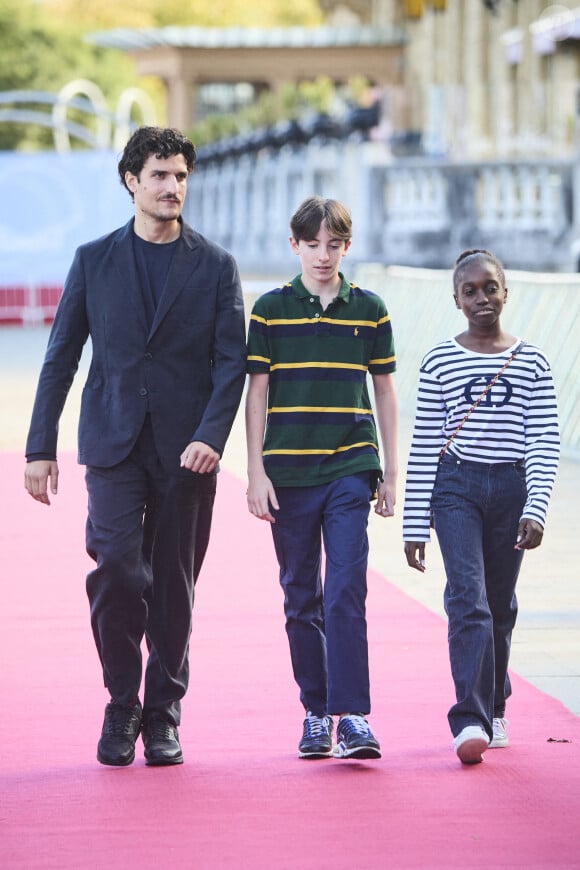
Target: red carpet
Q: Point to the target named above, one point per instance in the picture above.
(243, 799)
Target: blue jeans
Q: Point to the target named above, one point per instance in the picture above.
(476, 509)
(326, 623)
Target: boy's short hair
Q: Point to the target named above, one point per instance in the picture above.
(163, 142)
(308, 217)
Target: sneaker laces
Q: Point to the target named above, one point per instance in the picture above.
(316, 726)
(354, 724)
(119, 720)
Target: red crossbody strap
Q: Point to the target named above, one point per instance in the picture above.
(488, 387)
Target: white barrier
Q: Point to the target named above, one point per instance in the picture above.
(542, 308)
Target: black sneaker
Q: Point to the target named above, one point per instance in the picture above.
(355, 738)
(161, 741)
(317, 737)
(120, 731)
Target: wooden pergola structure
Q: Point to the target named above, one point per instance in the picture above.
(186, 57)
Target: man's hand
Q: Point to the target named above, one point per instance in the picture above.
(261, 496)
(415, 553)
(199, 457)
(36, 477)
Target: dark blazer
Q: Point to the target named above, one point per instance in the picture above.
(187, 371)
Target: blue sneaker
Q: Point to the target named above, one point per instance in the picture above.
(355, 738)
(317, 737)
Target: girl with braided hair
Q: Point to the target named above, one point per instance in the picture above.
(481, 468)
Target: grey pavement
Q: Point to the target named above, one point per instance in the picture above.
(546, 642)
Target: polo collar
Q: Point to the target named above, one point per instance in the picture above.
(302, 293)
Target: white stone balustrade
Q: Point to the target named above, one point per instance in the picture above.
(521, 197)
(410, 211)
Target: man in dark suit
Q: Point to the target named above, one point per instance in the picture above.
(163, 308)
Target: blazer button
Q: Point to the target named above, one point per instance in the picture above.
(148, 356)
(142, 391)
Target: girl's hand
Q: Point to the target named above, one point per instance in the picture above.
(530, 534)
(415, 553)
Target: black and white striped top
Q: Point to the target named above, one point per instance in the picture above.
(517, 419)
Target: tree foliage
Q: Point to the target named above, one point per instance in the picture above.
(42, 44)
(40, 53)
(100, 14)
(293, 101)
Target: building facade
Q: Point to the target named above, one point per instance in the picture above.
(483, 79)
(463, 79)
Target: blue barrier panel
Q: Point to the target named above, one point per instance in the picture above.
(49, 204)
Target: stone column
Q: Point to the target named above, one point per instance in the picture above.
(499, 110)
(530, 90)
(180, 102)
(474, 69)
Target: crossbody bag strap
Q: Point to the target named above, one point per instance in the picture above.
(488, 387)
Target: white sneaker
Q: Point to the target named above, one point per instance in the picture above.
(470, 744)
(500, 738)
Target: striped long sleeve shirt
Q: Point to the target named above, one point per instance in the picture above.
(516, 420)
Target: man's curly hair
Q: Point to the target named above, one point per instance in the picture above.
(162, 142)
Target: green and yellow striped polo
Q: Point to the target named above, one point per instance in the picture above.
(320, 424)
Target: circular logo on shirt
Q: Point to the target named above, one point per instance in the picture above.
(498, 395)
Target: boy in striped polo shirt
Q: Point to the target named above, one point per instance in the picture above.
(314, 465)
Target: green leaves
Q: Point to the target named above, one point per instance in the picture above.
(42, 46)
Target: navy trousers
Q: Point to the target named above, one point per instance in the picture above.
(326, 622)
(148, 532)
(477, 508)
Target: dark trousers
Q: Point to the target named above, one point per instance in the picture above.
(326, 623)
(477, 508)
(148, 532)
